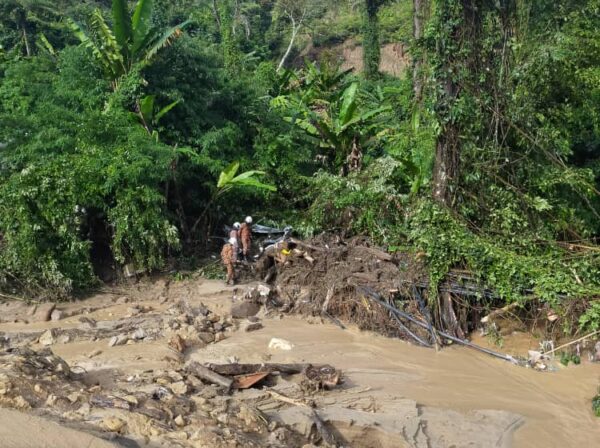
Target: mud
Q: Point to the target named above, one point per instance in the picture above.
(394, 394)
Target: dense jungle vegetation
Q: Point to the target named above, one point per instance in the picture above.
(131, 131)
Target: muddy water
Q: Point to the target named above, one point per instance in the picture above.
(554, 406)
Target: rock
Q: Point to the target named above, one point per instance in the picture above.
(133, 310)
(85, 409)
(179, 388)
(597, 350)
(73, 397)
(280, 344)
(51, 400)
(244, 309)
(131, 400)
(47, 338)
(38, 389)
(94, 353)
(65, 339)
(223, 418)
(252, 326)
(87, 323)
(113, 424)
(206, 337)
(177, 343)
(278, 438)
(217, 326)
(57, 315)
(5, 384)
(120, 339)
(122, 300)
(179, 435)
(139, 334)
(42, 312)
(220, 337)
(179, 421)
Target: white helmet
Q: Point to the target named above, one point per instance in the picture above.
(248, 220)
(236, 225)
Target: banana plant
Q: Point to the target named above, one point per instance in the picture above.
(228, 180)
(149, 116)
(132, 40)
(335, 126)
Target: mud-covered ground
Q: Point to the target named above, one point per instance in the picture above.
(114, 370)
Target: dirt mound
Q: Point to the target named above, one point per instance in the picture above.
(334, 284)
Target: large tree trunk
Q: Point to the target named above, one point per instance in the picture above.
(371, 50)
(447, 155)
(419, 7)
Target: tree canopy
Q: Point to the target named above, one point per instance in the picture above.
(131, 131)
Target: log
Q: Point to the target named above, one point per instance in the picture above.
(499, 312)
(379, 253)
(303, 244)
(207, 374)
(245, 369)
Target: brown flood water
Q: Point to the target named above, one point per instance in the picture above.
(555, 406)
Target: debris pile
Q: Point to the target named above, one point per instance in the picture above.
(333, 285)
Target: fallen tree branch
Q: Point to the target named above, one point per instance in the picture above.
(245, 369)
(209, 375)
(572, 342)
(20, 299)
(376, 298)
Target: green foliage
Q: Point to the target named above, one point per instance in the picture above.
(229, 179)
(332, 118)
(596, 405)
(513, 271)
(70, 167)
(566, 358)
(82, 166)
(131, 41)
(590, 320)
(363, 203)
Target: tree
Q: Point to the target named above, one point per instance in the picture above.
(21, 21)
(370, 31)
(131, 41)
(297, 13)
(338, 124)
(420, 8)
(228, 180)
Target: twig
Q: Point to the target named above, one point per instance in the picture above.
(20, 299)
(572, 342)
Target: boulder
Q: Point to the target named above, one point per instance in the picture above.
(280, 344)
(120, 339)
(244, 309)
(252, 326)
(43, 312)
(57, 315)
(206, 337)
(139, 334)
(47, 338)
